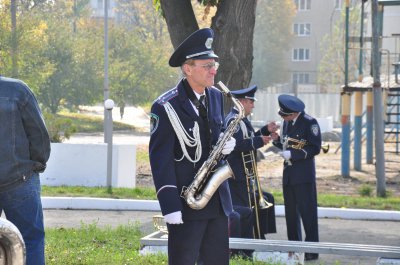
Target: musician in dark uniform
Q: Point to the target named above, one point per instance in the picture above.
(184, 129)
(248, 141)
(300, 141)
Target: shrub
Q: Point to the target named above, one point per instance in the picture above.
(365, 190)
(59, 128)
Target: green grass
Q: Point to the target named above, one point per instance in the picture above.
(350, 201)
(91, 245)
(142, 155)
(324, 200)
(88, 124)
(100, 192)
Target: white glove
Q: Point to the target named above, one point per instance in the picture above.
(173, 218)
(286, 154)
(229, 145)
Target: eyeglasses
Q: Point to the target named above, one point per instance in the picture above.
(209, 66)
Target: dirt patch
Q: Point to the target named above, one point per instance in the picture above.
(329, 179)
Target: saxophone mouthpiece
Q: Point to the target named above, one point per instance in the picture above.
(225, 90)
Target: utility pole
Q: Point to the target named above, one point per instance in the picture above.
(378, 106)
(108, 103)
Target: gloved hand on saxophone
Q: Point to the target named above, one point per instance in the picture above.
(229, 145)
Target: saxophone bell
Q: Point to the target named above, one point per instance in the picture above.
(12, 245)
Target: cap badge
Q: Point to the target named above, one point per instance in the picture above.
(208, 43)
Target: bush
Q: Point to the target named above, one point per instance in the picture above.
(59, 128)
(365, 190)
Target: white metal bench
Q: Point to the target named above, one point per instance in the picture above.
(158, 241)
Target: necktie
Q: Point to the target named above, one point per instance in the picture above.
(202, 108)
(203, 114)
(289, 126)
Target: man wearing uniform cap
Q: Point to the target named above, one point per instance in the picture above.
(301, 140)
(186, 122)
(248, 140)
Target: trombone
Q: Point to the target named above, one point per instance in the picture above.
(253, 184)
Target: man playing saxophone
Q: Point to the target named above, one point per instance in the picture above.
(186, 122)
(245, 186)
(302, 136)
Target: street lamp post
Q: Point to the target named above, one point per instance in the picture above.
(109, 105)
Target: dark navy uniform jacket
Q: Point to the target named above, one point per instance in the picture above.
(303, 162)
(237, 184)
(171, 170)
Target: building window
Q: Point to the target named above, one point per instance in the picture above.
(303, 4)
(301, 54)
(301, 78)
(302, 29)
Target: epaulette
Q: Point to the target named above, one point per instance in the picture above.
(167, 96)
(308, 117)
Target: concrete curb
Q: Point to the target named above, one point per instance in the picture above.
(87, 203)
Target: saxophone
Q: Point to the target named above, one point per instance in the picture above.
(204, 185)
(12, 245)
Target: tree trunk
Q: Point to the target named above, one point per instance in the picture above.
(180, 19)
(233, 25)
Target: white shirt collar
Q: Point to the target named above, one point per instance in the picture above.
(199, 95)
(295, 119)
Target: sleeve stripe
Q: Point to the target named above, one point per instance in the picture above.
(166, 186)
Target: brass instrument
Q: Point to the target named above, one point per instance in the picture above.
(296, 144)
(325, 148)
(253, 184)
(159, 223)
(204, 185)
(12, 245)
(299, 144)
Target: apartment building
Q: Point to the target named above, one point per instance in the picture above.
(314, 20)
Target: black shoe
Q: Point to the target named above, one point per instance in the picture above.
(310, 256)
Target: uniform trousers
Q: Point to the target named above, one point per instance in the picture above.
(204, 240)
(301, 205)
(267, 216)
